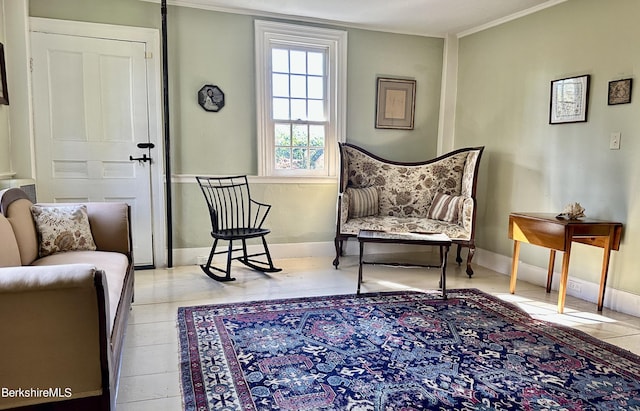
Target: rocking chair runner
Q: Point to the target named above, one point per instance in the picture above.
(235, 216)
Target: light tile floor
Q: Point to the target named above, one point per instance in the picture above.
(150, 375)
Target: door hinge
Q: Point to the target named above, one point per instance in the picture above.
(31, 64)
(148, 55)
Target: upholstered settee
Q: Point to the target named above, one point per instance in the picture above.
(437, 195)
(66, 286)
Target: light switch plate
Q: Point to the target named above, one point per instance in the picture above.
(614, 141)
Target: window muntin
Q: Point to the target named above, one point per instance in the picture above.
(299, 146)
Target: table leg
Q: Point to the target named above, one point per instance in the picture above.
(552, 261)
(514, 266)
(441, 265)
(443, 277)
(605, 269)
(360, 267)
(564, 277)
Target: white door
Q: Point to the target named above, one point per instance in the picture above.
(90, 114)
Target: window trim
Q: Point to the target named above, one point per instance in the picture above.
(268, 33)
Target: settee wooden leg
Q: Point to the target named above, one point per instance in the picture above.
(472, 251)
(338, 245)
(458, 257)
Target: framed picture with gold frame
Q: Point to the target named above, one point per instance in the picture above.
(396, 103)
(4, 94)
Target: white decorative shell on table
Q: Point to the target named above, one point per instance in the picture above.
(572, 211)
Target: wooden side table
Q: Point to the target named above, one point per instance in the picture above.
(557, 234)
(434, 239)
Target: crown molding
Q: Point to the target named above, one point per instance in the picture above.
(206, 5)
(510, 17)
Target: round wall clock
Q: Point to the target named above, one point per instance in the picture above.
(211, 98)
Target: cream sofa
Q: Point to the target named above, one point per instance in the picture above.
(437, 195)
(64, 315)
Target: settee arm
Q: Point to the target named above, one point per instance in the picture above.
(344, 208)
(53, 340)
(468, 213)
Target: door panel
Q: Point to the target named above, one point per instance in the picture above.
(90, 111)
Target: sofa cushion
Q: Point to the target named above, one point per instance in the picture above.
(114, 265)
(10, 255)
(363, 202)
(405, 224)
(446, 208)
(64, 228)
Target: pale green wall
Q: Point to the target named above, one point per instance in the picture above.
(5, 142)
(208, 47)
(375, 54)
(212, 48)
(529, 165)
(218, 48)
(119, 12)
(310, 204)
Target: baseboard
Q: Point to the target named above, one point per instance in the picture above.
(616, 300)
(192, 256)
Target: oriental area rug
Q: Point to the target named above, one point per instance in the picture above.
(396, 351)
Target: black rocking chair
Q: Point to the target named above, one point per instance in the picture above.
(235, 216)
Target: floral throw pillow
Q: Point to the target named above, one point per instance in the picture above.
(62, 228)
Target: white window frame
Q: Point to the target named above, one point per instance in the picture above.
(269, 34)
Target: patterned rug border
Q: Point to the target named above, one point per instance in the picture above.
(190, 359)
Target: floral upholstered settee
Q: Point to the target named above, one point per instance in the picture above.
(430, 196)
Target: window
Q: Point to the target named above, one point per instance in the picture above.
(301, 104)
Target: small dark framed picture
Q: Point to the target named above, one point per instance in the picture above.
(620, 91)
(569, 100)
(4, 94)
(211, 98)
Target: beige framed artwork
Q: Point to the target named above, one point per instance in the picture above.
(395, 104)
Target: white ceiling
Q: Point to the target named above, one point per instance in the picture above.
(422, 17)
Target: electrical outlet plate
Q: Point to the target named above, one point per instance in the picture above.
(614, 141)
(572, 285)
